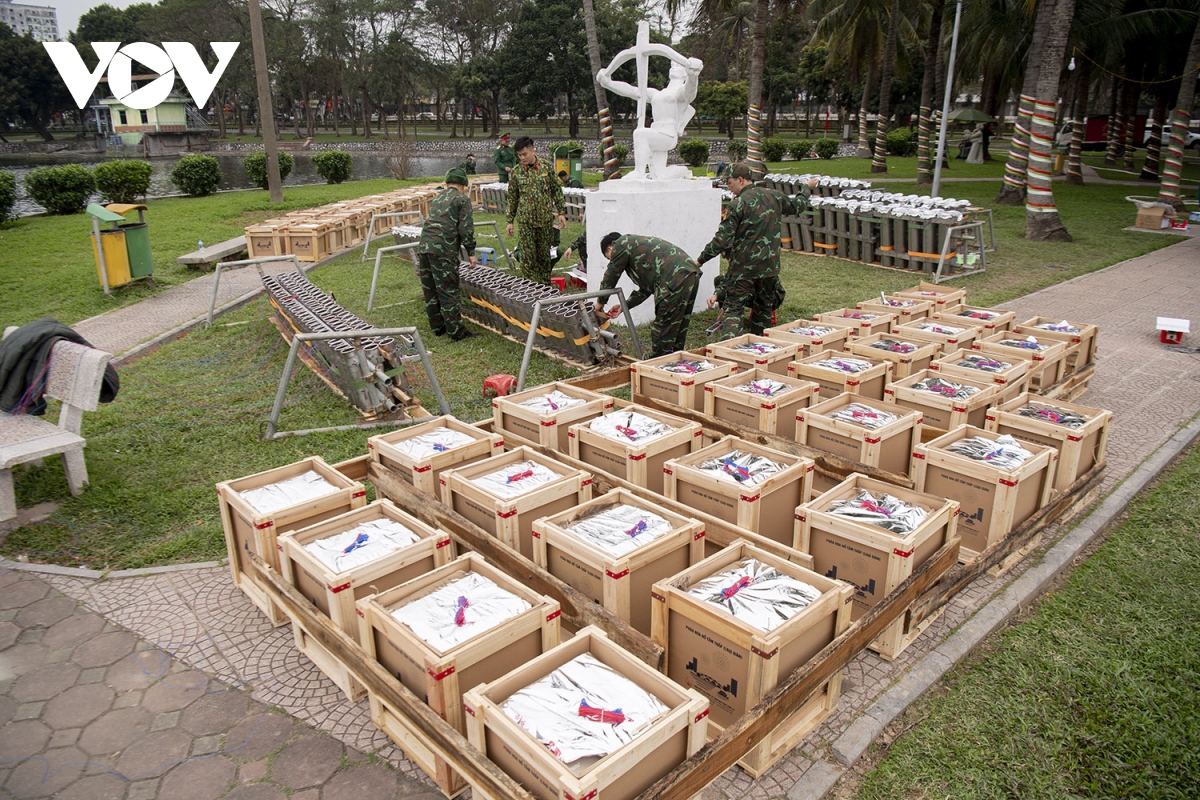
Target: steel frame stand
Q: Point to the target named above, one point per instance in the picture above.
(969, 232)
(503, 247)
(245, 262)
(378, 258)
(572, 298)
(389, 215)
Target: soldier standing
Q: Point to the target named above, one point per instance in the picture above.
(504, 158)
(535, 199)
(749, 238)
(449, 228)
(662, 271)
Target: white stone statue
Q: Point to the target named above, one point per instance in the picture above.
(671, 105)
(975, 138)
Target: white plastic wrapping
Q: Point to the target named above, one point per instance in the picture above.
(462, 609)
(438, 440)
(408, 231)
(620, 530)
(937, 327)
(554, 401)
(1058, 327)
(583, 711)
(861, 315)
(744, 469)
(985, 363)
(284, 494)
(630, 426)
(978, 313)
(755, 593)
(885, 511)
(1056, 414)
(516, 479)
(1028, 343)
(845, 364)
(763, 386)
(894, 346)
(361, 544)
(756, 348)
(946, 388)
(687, 366)
(815, 331)
(864, 415)
(1004, 452)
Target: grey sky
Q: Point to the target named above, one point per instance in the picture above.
(69, 11)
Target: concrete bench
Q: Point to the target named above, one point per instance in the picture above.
(208, 257)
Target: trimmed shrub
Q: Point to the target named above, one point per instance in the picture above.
(334, 166)
(60, 190)
(902, 142)
(694, 152)
(197, 175)
(123, 181)
(773, 149)
(8, 194)
(801, 150)
(255, 165)
(737, 150)
(620, 152)
(826, 147)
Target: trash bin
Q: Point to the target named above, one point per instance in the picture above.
(122, 251)
(569, 159)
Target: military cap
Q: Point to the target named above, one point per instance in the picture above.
(458, 176)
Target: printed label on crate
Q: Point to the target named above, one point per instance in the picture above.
(858, 564)
(700, 659)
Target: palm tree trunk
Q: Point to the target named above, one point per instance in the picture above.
(1168, 191)
(1042, 223)
(1131, 102)
(1074, 155)
(1154, 145)
(879, 162)
(1114, 129)
(758, 37)
(864, 147)
(1012, 191)
(607, 143)
(924, 161)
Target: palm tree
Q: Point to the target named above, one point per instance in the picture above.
(932, 40)
(1042, 222)
(854, 27)
(606, 144)
(1012, 191)
(1168, 191)
(879, 163)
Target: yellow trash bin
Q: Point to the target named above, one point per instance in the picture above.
(112, 256)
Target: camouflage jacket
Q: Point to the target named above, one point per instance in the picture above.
(650, 262)
(451, 225)
(749, 234)
(504, 157)
(468, 167)
(535, 195)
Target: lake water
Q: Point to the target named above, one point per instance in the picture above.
(234, 177)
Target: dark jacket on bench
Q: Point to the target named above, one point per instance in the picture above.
(24, 362)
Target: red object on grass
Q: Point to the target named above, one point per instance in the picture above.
(559, 282)
(500, 383)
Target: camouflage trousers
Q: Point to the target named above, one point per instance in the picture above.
(535, 241)
(756, 293)
(672, 311)
(439, 285)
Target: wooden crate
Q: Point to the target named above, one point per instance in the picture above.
(903, 364)
(1079, 449)
(309, 241)
(941, 413)
(1009, 382)
(424, 472)
(906, 309)
(993, 501)
(868, 384)
(871, 558)
(687, 390)
(623, 774)
(547, 429)
(639, 463)
(335, 593)
(735, 665)
(865, 322)
(947, 336)
(811, 345)
(440, 677)
(1081, 346)
(1046, 365)
(776, 355)
(267, 239)
(619, 583)
(511, 519)
(990, 320)
(764, 508)
(249, 531)
(888, 447)
(942, 297)
(774, 414)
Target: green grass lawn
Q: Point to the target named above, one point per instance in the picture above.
(191, 414)
(1094, 695)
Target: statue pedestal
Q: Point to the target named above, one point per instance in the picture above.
(684, 212)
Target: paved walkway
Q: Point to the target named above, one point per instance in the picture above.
(177, 668)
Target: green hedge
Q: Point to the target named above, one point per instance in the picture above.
(123, 181)
(255, 165)
(773, 149)
(8, 194)
(197, 175)
(826, 147)
(801, 150)
(334, 166)
(902, 142)
(61, 190)
(694, 152)
(737, 150)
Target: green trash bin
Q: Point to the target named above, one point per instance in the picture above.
(569, 159)
(137, 240)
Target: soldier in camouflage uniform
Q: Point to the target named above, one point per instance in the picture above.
(449, 228)
(504, 158)
(468, 166)
(662, 270)
(749, 238)
(535, 199)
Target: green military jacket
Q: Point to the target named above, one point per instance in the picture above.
(467, 166)
(574, 183)
(749, 234)
(650, 262)
(504, 156)
(535, 195)
(451, 226)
